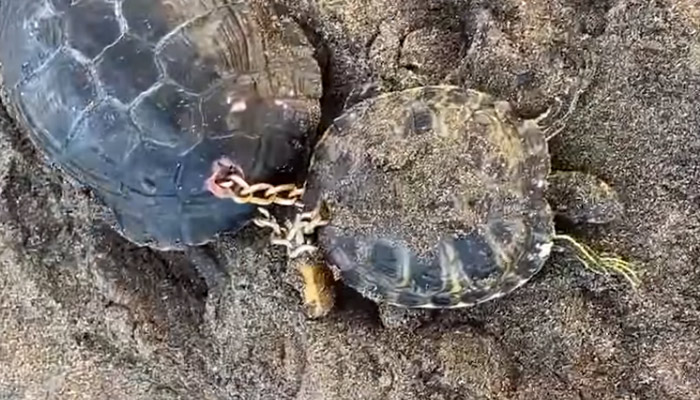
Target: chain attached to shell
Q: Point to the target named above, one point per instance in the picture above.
(228, 181)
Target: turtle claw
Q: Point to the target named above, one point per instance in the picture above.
(392, 317)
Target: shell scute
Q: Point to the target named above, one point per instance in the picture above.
(170, 117)
(54, 109)
(91, 25)
(151, 20)
(155, 177)
(474, 259)
(127, 69)
(101, 143)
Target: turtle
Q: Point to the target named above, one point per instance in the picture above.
(438, 197)
(135, 100)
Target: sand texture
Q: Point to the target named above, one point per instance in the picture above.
(86, 315)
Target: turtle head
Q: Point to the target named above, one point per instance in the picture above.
(580, 198)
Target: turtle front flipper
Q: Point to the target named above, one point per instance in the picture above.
(366, 89)
(208, 267)
(579, 198)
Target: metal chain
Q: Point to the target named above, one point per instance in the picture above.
(230, 182)
(294, 235)
(262, 194)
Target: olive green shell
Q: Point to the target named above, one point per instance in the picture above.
(436, 197)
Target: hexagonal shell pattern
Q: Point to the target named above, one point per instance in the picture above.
(136, 100)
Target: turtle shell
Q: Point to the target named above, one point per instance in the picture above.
(137, 99)
(436, 197)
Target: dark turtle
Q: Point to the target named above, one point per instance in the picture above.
(137, 99)
(438, 199)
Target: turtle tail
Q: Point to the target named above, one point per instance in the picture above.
(600, 264)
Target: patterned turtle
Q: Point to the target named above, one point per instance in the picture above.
(137, 99)
(437, 197)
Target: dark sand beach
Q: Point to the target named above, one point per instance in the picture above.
(84, 314)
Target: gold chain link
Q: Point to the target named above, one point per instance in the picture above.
(294, 235)
(232, 184)
(229, 182)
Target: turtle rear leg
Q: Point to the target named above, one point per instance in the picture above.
(215, 276)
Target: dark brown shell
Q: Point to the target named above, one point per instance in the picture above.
(136, 99)
(436, 197)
